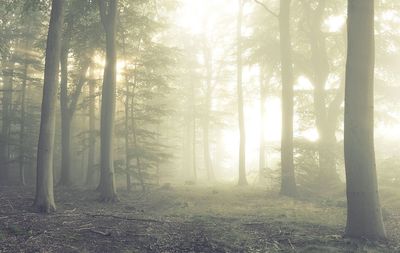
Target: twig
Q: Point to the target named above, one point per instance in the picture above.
(267, 9)
(125, 218)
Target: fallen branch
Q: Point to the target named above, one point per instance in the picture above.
(125, 218)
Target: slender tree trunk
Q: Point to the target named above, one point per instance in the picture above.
(108, 13)
(263, 125)
(288, 183)
(65, 179)
(22, 124)
(242, 144)
(326, 125)
(194, 132)
(92, 134)
(364, 217)
(127, 144)
(206, 123)
(44, 199)
(8, 78)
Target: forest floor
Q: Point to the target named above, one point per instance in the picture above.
(185, 219)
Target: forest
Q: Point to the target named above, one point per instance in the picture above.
(199, 126)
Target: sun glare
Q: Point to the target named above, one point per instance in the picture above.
(335, 23)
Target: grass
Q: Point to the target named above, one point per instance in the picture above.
(222, 218)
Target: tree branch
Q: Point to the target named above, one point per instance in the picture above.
(79, 86)
(267, 9)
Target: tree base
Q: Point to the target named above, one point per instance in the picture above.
(291, 192)
(109, 198)
(44, 207)
(379, 237)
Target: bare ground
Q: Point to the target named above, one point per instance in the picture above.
(182, 219)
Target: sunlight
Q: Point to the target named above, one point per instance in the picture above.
(303, 83)
(100, 61)
(193, 13)
(311, 134)
(335, 23)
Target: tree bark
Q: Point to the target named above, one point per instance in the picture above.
(92, 128)
(242, 141)
(44, 199)
(288, 182)
(364, 217)
(108, 14)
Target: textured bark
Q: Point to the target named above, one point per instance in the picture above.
(288, 182)
(108, 14)
(242, 134)
(44, 199)
(364, 217)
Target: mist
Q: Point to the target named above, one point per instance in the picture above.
(199, 126)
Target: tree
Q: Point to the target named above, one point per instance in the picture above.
(364, 217)
(108, 16)
(326, 113)
(92, 129)
(44, 200)
(242, 144)
(208, 58)
(288, 182)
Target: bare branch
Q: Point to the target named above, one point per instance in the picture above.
(78, 90)
(267, 9)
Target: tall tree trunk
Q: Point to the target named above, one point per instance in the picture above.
(108, 14)
(22, 144)
(326, 125)
(242, 144)
(193, 94)
(92, 134)
(65, 178)
(206, 122)
(364, 217)
(8, 78)
(288, 182)
(126, 123)
(263, 98)
(44, 199)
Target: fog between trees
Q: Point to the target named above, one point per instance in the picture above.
(294, 98)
